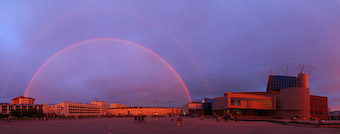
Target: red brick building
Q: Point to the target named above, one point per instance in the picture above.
(318, 107)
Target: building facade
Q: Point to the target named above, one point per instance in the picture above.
(286, 97)
(104, 106)
(207, 105)
(192, 109)
(20, 103)
(22, 100)
(244, 104)
(77, 109)
(147, 111)
(318, 107)
(116, 105)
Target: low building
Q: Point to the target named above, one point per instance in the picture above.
(20, 103)
(147, 111)
(192, 109)
(244, 104)
(77, 109)
(49, 110)
(334, 115)
(116, 105)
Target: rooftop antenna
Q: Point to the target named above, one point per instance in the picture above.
(302, 70)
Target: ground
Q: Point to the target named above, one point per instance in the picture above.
(152, 126)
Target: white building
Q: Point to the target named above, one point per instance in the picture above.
(104, 106)
(77, 109)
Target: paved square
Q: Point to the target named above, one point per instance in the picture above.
(152, 126)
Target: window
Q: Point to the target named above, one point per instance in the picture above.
(320, 112)
(316, 112)
(311, 112)
(320, 106)
(311, 106)
(235, 102)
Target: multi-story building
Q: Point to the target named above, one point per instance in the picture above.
(77, 109)
(318, 107)
(23, 103)
(147, 111)
(22, 100)
(286, 96)
(104, 106)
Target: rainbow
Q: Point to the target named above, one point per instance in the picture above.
(108, 39)
(142, 18)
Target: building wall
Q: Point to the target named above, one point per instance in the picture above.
(221, 103)
(318, 107)
(251, 101)
(104, 106)
(147, 111)
(293, 102)
(7, 108)
(77, 109)
(116, 105)
(22, 100)
(192, 108)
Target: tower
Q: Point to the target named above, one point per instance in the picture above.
(303, 79)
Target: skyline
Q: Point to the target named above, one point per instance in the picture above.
(214, 47)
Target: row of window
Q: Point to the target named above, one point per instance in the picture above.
(315, 112)
(282, 82)
(237, 101)
(315, 101)
(75, 107)
(83, 112)
(316, 106)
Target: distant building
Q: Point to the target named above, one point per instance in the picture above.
(104, 106)
(207, 106)
(23, 103)
(22, 100)
(49, 110)
(286, 96)
(334, 113)
(147, 111)
(192, 109)
(116, 105)
(77, 109)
